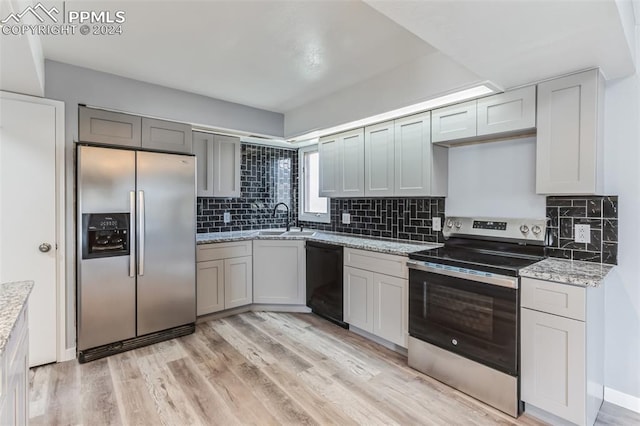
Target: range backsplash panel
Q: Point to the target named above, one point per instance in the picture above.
(600, 212)
(399, 218)
(269, 175)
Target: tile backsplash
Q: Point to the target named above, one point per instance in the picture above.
(268, 176)
(600, 212)
(401, 218)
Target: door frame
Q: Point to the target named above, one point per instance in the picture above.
(62, 353)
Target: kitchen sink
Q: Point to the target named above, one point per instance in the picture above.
(301, 233)
(271, 233)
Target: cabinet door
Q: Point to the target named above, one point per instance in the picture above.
(238, 282)
(513, 111)
(329, 159)
(210, 287)
(566, 147)
(279, 272)
(358, 298)
(226, 166)
(390, 308)
(379, 159)
(454, 122)
(553, 364)
(203, 150)
(96, 125)
(352, 164)
(413, 159)
(166, 136)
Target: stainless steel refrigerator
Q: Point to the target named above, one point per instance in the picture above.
(136, 248)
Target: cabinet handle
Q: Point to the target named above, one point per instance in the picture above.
(424, 299)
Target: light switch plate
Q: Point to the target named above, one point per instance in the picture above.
(346, 218)
(436, 224)
(226, 217)
(582, 234)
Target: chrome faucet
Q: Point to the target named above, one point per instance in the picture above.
(275, 208)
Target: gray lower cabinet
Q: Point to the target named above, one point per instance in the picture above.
(224, 276)
(279, 272)
(107, 127)
(376, 294)
(14, 370)
(562, 343)
(218, 164)
(113, 128)
(166, 136)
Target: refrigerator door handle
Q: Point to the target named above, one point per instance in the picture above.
(132, 215)
(141, 232)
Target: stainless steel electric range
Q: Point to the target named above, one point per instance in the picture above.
(464, 306)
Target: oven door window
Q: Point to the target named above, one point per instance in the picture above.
(476, 320)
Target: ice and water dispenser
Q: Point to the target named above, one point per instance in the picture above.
(105, 235)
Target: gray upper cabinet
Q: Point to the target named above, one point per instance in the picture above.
(569, 152)
(114, 128)
(166, 135)
(513, 111)
(454, 122)
(226, 166)
(203, 150)
(378, 160)
(421, 169)
(342, 164)
(100, 126)
(218, 164)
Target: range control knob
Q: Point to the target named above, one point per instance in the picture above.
(449, 223)
(458, 225)
(536, 229)
(524, 229)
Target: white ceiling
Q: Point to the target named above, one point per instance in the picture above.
(521, 41)
(303, 58)
(274, 55)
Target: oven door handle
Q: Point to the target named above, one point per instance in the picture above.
(493, 279)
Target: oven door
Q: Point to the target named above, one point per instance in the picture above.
(457, 312)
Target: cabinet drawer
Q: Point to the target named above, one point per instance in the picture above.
(387, 264)
(218, 251)
(554, 298)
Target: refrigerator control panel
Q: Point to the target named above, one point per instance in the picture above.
(105, 235)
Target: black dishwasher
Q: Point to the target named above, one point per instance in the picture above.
(324, 281)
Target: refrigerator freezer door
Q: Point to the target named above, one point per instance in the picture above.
(106, 291)
(167, 287)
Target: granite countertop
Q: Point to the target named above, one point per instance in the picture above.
(13, 296)
(397, 247)
(574, 272)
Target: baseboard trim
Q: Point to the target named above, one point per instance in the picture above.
(67, 354)
(255, 307)
(379, 340)
(621, 399)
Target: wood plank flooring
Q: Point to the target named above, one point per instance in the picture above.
(258, 368)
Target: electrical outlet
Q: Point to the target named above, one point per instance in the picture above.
(582, 234)
(226, 217)
(436, 224)
(346, 218)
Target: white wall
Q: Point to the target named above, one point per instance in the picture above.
(76, 85)
(21, 58)
(496, 179)
(407, 84)
(622, 291)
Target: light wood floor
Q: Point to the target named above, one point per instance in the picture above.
(257, 368)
